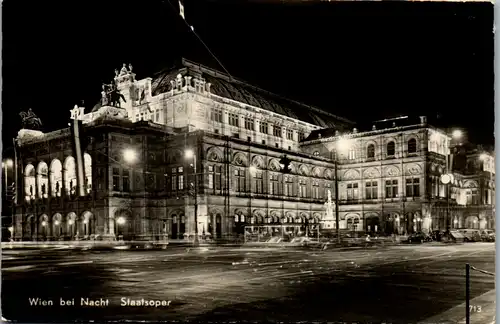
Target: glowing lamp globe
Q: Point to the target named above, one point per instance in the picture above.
(129, 155)
(456, 134)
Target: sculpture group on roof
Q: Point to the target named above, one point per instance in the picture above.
(123, 70)
(29, 120)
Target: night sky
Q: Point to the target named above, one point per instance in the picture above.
(361, 60)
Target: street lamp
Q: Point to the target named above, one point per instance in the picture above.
(120, 221)
(342, 145)
(456, 134)
(129, 155)
(190, 154)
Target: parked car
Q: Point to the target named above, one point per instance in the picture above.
(419, 237)
(437, 235)
(471, 235)
(488, 235)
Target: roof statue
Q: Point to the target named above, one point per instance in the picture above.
(29, 120)
(110, 95)
(124, 70)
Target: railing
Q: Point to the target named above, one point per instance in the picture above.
(468, 307)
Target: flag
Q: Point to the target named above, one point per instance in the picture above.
(181, 10)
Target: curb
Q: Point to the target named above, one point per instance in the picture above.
(456, 315)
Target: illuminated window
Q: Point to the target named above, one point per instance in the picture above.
(352, 191)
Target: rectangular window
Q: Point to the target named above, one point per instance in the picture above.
(351, 154)
(239, 180)
(391, 188)
(218, 177)
(180, 178)
(210, 177)
(371, 189)
(352, 191)
(249, 124)
(289, 134)
(259, 183)
(233, 119)
(413, 187)
(289, 186)
(174, 179)
(475, 197)
(277, 131)
(263, 127)
(315, 189)
(126, 181)
(216, 115)
(116, 179)
(273, 184)
(301, 136)
(157, 115)
(302, 188)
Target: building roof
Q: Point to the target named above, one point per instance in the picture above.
(226, 86)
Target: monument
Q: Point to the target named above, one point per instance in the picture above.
(328, 219)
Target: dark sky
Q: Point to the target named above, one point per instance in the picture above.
(361, 60)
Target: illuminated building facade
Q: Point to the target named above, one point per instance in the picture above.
(140, 184)
(391, 178)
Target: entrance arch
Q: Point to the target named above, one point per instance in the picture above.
(472, 222)
(71, 225)
(43, 227)
(372, 222)
(31, 228)
(121, 223)
(57, 226)
(87, 223)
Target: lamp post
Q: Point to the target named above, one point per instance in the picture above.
(447, 179)
(342, 145)
(120, 221)
(190, 154)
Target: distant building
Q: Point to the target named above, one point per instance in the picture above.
(139, 184)
(391, 178)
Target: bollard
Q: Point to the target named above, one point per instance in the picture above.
(467, 293)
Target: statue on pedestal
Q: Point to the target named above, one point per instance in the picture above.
(329, 206)
(29, 120)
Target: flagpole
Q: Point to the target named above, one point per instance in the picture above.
(79, 159)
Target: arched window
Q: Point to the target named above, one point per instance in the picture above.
(391, 149)
(412, 145)
(43, 180)
(370, 151)
(351, 154)
(70, 175)
(29, 182)
(55, 178)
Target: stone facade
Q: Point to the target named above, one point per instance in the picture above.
(239, 135)
(391, 178)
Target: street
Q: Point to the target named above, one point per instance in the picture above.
(398, 284)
